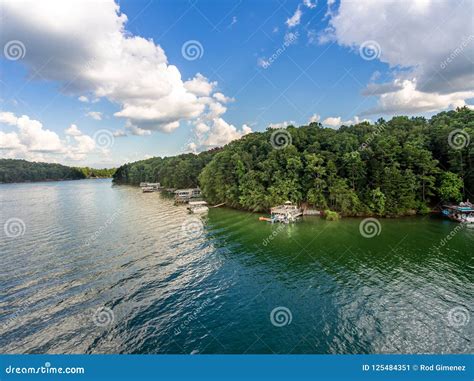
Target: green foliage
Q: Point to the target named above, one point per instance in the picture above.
(331, 215)
(172, 172)
(17, 171)
(97, 173)
(450, 187)
(388, 168)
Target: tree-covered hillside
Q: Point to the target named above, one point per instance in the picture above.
(387, 168)
(18, 171)
(173, 172)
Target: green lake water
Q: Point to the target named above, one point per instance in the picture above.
(172, 283)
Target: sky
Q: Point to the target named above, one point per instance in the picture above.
(101, 83)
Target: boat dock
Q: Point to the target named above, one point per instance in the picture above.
(185, 195)
(286, 213)
(463, 213)
(150, 187)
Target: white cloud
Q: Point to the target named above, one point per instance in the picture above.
(83, 99)
(295, 19)
(437, 63)
(314, 118)
(200, 85)
(222, 98)
(119, 133)
(73, 131)
(135, 130)
(220, 133)
(336, 121)
(97, 115)
(31, 141)
(94, 54)
(282, 124)
(309, 4)
(408, 100)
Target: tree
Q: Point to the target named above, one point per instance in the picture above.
(450, 188)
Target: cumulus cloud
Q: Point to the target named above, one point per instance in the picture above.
(336, 121)
(95, 55)
(407, 99)
(309, 4)
(30, 140)
(200, 85)
(437, 63)
(282, 124)
(73, 130)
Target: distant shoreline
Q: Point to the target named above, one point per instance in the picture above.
(52, 180)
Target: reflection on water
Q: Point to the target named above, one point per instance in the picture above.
(94, 251)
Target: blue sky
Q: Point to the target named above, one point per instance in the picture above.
(333, 63)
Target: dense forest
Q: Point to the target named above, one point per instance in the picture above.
(397, 167)
(18, 171)
(91, 173)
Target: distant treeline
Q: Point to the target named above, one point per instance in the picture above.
(395, 167)
(17, 171)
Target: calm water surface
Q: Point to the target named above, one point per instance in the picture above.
(88, 245)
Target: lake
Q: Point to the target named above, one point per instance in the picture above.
(88, 267)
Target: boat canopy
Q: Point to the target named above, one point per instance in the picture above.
(197, 203)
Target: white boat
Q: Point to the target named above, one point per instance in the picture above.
(197, 207)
